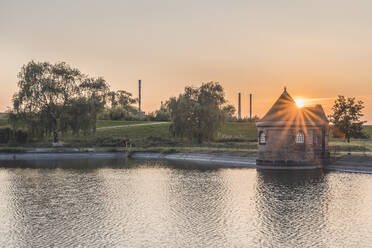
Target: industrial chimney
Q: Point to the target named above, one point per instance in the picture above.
(139, 96)
(239, 107)
(250, 106)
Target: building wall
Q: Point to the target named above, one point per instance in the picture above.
(281, 144)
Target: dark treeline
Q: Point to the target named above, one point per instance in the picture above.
(55, 99)
(198, 113)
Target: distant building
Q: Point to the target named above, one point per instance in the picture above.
(292, 137)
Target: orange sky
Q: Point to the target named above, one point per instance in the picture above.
(318, 49)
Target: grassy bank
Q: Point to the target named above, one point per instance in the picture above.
(154, 136)
(3, 120)
(150, 135)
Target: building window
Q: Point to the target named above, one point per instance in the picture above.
(300, 137)
(262, 138)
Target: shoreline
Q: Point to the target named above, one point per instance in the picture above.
(223, 160)
(348, 163)
(352, 164)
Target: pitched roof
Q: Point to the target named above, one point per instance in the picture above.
(285, 112)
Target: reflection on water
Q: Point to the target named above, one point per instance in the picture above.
(122, 203)
(292, 208)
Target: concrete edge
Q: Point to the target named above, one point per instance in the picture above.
(363, 170)
(60, 156)
(205, 159)
(217, 160)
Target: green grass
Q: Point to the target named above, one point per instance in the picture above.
(238, 131)
(353, 146)
(4, 120)
(144, 135)
(108, 123)
(368, 130)
(233, 136)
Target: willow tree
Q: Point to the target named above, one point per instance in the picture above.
(55, 98)
(198, 112)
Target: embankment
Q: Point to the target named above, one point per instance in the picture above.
(350, 163)
(221, 160)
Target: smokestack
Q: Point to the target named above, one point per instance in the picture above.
(139, 96)
(250, 106)
(239, 107)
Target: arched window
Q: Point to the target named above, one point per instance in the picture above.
(300, 137)
(262, 138)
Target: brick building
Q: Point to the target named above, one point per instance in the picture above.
(292, 137)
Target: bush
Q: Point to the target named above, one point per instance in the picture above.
(111, 142)
(336, 133)
(118, 113)
(5, 134)
(19, 136)
(122, 114)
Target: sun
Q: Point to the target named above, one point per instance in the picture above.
(300, 102)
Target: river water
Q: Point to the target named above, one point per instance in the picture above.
(117, 203)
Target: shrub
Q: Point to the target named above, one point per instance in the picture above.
(20, 136)
(118, 113)
(5, 134)
(336, 133)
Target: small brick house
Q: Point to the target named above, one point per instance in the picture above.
(292, 137)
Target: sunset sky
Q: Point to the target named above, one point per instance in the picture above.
(318, 49)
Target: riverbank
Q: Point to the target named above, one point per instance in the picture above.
(155, 136)
(219, 159)
(352, 163)
(206, 158)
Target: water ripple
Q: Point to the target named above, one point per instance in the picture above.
(158, 204)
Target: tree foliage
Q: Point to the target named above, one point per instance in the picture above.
(120, 106)
(56, 98)
(229, 112)
(346, 115)
(198, 112)
(121, 98)
(163, 113)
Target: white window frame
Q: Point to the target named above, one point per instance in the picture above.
(262, 138)
(300, 137)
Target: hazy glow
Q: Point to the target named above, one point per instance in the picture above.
(316, 50)
(300, 102)
(297, 118)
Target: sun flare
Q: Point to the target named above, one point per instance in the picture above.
(300, 102)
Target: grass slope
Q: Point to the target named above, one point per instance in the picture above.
(109, 123)
(233, 136)
(3, 120)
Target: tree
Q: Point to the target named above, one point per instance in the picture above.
(121, 98)
(198, 112)
(346, 117)
(163, 114)
(56, 98)
(120, 106)
(229, 112)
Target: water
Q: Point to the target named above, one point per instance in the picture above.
(162, 204)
